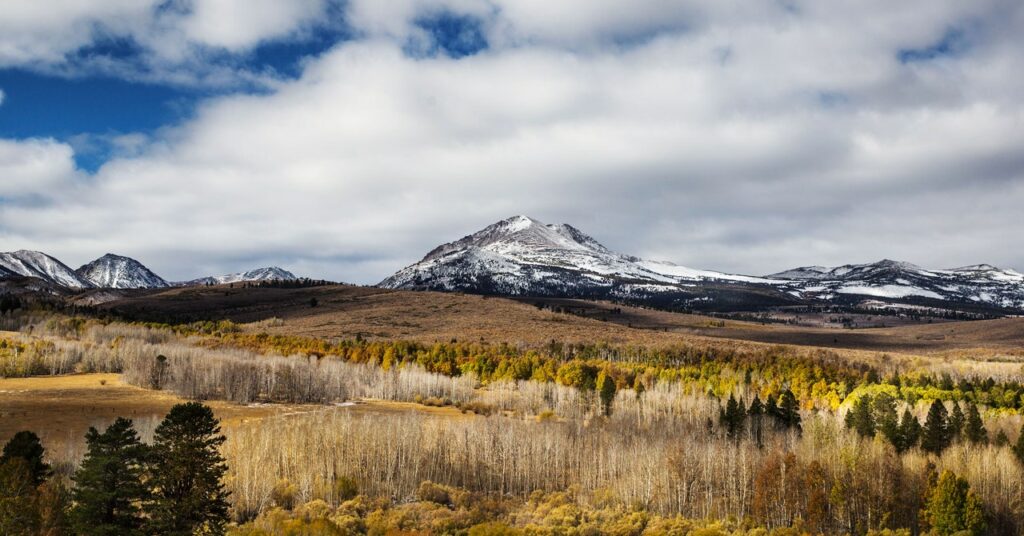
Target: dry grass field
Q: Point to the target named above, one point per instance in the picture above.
(347, 311)
(60, 409)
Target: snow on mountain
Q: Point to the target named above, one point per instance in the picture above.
(521, 255)
(115, 271)
(37, 264)
(271, 273)
(982, 283)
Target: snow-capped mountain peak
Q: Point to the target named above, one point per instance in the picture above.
(116, 271)
(270, 273)
(40, 265)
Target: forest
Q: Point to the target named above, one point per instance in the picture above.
(557, 438)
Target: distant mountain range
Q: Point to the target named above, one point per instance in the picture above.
(521, 256)
(113, 272)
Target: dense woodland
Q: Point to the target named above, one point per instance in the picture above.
(566, 439)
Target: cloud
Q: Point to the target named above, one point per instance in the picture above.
(711, 134)
(187, 42)
(2, 95)
(34, 168)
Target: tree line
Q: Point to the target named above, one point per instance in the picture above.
(123, 486)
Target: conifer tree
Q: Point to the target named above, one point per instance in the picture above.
(187, 468)
(955, 424)
(860, 417)
(25, 445)
(974, 428)
(756, 413)
(910, 431)
(886, 419)
(935, 435)
(954, 508)
(771, 408)
(789, 410)
(109, 491)
(733, 417)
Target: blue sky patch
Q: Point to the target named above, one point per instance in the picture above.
(451, 34)
(953, 42)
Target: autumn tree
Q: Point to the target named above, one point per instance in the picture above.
(109, 490)
(606, 390)
(935, 435)
(19, 498)
(954, 508)
(187, 468)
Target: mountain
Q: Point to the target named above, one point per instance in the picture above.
(981, 284)
(40, 265)
(115, 271)
(271, 273)
(521, 256)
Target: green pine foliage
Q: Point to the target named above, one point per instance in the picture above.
(935, 435)
(606, 390)
(19, 498)
(109, 489)
(955, 424)
(188, 496)
(974, 427)
(861, 418)
(886, 419)
(954, 508)
(909, 432)
(25, 445)
(733, 417)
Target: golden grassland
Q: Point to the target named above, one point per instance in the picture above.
(64, 407)
(346, 312)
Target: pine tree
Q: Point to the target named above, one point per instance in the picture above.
(187, 469)
(606, 390)
(733, 417)
(789, 410)
(886, 419)
(935, 436)
(860, 418)
(26, 446)
(109, 491)
(756, 413)
(955, 424)
(910, 431)
(953, 507)
(974, 428)
(771, 409)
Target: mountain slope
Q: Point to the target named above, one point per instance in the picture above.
(115, 271)
(40, 265)
(981, 284)
(521, 256)
(271, 273)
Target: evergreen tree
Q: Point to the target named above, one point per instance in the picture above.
(756, 413)
(109, 491)
(886, 419)
(606, 390)
(771, 409)
(955, 424)
(26, 446)
(733, 417)
(910, 431)
(954, 508)
(935, 435)
(1018, 447)
(789, 410)
(860, 417)
(974, 428)
(1001, 440)
(19, 498)
(187, 469)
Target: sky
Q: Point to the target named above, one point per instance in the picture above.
(345, 139)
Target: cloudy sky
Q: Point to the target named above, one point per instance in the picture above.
(346, 139)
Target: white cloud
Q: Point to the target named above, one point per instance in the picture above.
(34, 167)
(2, 95)
(747, 141)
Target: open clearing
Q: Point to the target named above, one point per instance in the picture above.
(60, 409)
